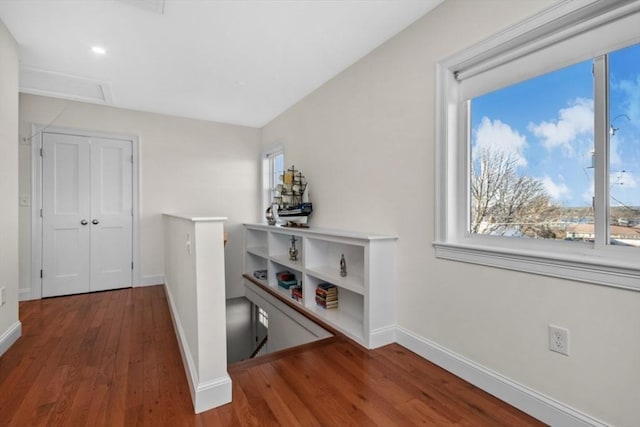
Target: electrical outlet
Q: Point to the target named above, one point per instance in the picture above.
(559, 340)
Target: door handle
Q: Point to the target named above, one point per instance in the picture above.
(84, 222)
(95, 222)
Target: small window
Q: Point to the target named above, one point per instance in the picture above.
(263, 317)
(272, 170)
(275, 168)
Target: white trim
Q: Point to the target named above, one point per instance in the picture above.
(105, 87)
(561, 21)
(36, 205)
(10, 336)
(36, 196)
(577, 268)
(532, 402)
(272, 149)
(24, 294)
(152, 280)
(382, 336)
(212, 394)
(207, 395)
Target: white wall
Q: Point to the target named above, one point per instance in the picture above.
(186, 165)
(365, 141)
(194, 273)
(9, 325)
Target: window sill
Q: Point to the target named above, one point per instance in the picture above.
(589, 269)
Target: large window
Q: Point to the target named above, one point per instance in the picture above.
(538, 140)
(531, 170)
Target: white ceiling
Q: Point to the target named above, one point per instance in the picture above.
(231, 61)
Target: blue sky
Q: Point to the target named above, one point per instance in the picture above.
(550, 131)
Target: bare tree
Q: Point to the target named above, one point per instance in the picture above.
(502, 201)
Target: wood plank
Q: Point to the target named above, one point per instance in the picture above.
(112, 359)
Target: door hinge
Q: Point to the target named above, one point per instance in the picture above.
(41, 274)
(40, 213)
(132, 265)
(131, 159)
(41, 152)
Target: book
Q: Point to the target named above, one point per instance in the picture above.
(327, 295)
(328, 305)
(296, 292)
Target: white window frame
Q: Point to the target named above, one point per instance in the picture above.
(569, 32)
(267, 173)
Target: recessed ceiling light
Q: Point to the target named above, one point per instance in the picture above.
(99, 50)
(241, 83)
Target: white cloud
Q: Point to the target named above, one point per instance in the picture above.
(500, 138)
(587, 196)
(631, 104)
(555, 191)
(575, 121)
(614, 156)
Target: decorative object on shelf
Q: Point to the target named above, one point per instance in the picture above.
(271, 218)
(286, 279)
(260, 274)
(343, 266)
(327, 295)
(292, 197)
(293, 251)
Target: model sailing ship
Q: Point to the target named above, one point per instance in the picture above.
(292, 198)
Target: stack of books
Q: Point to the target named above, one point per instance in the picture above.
(286, 279)
(327, 295)
(296, 292)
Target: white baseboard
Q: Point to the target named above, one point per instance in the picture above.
(207, 395)
(382, 336)
(10, 336)
(212, 394)
(150, 281)
(536, 404)
(24, 294)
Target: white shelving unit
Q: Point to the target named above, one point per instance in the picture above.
(366, 296)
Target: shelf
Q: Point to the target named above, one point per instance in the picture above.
(262, 282)
(341, 319)
(328, 274)
(260, 251)
(366, 296)
(286, 293)
(284, 261)
(254, 262)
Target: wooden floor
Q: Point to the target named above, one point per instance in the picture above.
(111, 359)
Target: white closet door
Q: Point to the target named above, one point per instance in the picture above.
(66, 214)
(111, 214)
(87, 214)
